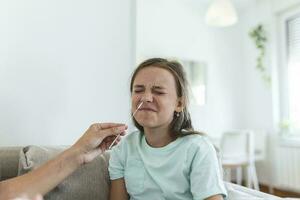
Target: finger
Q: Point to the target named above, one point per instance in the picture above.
(105, 145)
(110, 125)
(101, 126)
(22, 197)
(113, 131)
(123, 133)
(38, 197)
(118, 140)
(110, 138)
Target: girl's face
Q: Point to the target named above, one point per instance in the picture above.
(156, 87)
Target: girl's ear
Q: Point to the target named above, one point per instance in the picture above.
(180, 104)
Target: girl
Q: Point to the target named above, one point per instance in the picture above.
(166, 158)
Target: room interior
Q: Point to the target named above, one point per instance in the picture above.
(66, 64)
(239, 93)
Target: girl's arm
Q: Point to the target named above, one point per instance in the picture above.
(118, 190)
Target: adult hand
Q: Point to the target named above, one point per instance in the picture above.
(92, 143)
(97, 139)
(37, 197)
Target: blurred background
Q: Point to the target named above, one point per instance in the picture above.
(66, 64)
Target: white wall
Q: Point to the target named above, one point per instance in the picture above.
(257, 108)
(174, 28)
(260, 109)
(64, 64)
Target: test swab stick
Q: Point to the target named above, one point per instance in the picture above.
(113, 142)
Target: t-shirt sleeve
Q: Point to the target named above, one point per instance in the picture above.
(205, 177)
(116, 162)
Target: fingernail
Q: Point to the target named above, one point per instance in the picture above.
(118, 129)
(121, 128)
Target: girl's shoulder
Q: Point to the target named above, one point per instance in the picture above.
(196, 139)
(197, 142)
(127, 144)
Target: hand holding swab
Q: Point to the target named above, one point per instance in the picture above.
(113, 142)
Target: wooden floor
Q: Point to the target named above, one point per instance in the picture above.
(280, 193)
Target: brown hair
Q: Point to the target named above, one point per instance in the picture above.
(181, 124)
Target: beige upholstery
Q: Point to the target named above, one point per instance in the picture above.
(9, 159)
(91, 181)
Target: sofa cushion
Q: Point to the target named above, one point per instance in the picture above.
(90, 181)
(9, 159)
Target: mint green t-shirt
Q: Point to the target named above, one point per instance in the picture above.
(185, 169)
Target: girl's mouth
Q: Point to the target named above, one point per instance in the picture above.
(147, 109)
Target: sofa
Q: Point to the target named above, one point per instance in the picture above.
(89, 182)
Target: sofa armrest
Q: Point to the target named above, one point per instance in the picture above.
(9, 159)
(238, 192)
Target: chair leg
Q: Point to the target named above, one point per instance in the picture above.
(254, 177)
(227, 175)
(249, 177)
(239, 175)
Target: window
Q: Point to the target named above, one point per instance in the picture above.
(290, 73)
(293, 47)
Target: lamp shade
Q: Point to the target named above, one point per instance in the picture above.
(221, 13)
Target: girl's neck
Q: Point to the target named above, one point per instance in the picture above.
(158, 137)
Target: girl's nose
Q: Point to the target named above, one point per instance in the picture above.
(147, 97)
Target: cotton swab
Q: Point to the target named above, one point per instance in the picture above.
(137, 108)
(113, 142)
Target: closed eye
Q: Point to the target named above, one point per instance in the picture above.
(158, 92)
(138, 88)
(138, 91)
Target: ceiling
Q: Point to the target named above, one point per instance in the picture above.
(240, 5)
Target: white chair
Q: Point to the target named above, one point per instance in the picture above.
(237, 151)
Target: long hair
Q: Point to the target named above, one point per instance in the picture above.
(181, 124)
